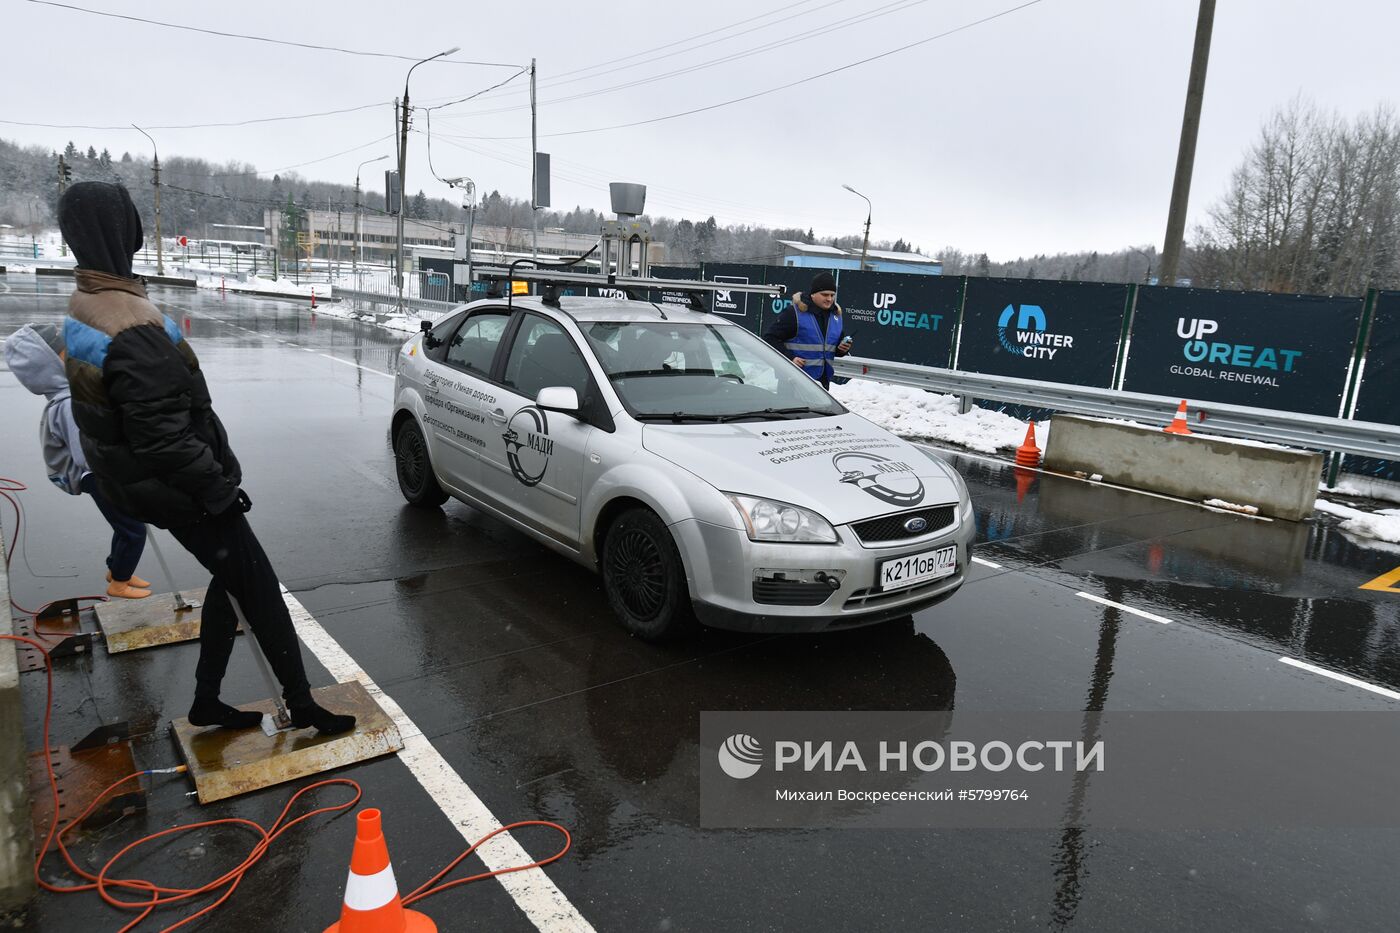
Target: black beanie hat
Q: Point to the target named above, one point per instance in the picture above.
(101, 226)
(822, 283)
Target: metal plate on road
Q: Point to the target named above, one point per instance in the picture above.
(918, 568)
(130, 624)
(227, 762)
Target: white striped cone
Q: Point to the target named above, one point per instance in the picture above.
(372, 903)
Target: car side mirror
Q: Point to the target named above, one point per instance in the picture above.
(563, 399)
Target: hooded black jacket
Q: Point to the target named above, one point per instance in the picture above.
(148, 426)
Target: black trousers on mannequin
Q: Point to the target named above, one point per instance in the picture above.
(226, 546)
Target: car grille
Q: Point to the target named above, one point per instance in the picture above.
(891, 527)
(790, 593)
(872, 598)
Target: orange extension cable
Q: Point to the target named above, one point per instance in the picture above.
(109, 887)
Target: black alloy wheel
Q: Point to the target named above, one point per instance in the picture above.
(415, 471)
(644, 577)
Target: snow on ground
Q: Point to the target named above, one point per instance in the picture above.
(919, 414)
(1383, 525)
(1364, 487)
(213, 279)
(1233, 506)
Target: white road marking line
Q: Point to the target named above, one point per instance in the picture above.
(986, 563)
(1391, 694)
(534, 892)
(1128, 609)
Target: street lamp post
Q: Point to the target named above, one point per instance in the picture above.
(869, 209)
(1147, 276)
(355, 252)
(469, 205)
(155, 181)
(403, 164)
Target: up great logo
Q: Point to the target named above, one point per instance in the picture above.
(886, 314)
(1197, 349)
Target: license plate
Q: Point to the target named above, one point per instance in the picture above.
(918, 568)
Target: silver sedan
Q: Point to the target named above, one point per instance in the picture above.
(701, 473)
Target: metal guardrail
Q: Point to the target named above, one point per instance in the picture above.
(379, 298)
(1317, 432)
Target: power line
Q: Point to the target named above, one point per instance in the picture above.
(267, 39)
(199, 126)
(896, 6)
(463, 100)
(702, 35)
(285, 168)
(783, 87)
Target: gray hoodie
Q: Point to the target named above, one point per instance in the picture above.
(37, 366)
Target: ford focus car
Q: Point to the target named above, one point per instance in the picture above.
(701, 473)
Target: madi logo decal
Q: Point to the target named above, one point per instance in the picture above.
(528, 445)
(891, 481)
(1029, 337)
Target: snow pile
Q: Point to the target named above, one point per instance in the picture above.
(916, 413)
(1232, 506)
(1383, 525)
(1364, 487)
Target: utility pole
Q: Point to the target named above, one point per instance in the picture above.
(534, 172)
(401, 110)
(869, 209)
(65, 171)
(403, 164)
(155, 180)
(1186, 153)
(339, 203)
(355, 251)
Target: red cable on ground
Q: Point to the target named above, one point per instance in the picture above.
(160, 896)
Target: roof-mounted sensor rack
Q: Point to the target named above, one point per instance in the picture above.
(633, 287)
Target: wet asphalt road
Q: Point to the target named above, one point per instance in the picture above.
(507, 657)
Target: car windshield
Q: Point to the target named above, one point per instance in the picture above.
(667, 371)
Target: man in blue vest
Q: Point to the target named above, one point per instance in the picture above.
(808, 331)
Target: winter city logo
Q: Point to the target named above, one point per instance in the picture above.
(528, 445)
(740, 756)
(891, 481)
(1029, 337)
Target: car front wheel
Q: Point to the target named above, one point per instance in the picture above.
(644, 577)
(415, 471)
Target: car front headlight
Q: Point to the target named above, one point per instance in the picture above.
(767, 520)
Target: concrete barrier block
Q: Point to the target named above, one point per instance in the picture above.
(1280, 482)
(16, 839)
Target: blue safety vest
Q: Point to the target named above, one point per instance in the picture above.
(808, 344)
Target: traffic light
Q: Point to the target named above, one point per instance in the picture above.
(65, 170)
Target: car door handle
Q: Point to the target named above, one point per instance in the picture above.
(499, 416)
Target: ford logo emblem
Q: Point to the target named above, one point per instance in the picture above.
(916, 525)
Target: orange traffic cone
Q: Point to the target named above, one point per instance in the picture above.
(1178, 425)
(1028, 455)
(372, 903)
(313, 297)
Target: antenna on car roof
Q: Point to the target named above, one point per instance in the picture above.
(551, 291)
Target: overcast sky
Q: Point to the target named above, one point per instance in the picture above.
(1053, 128)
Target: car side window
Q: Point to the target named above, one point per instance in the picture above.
(474, 345)
(544, 355)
